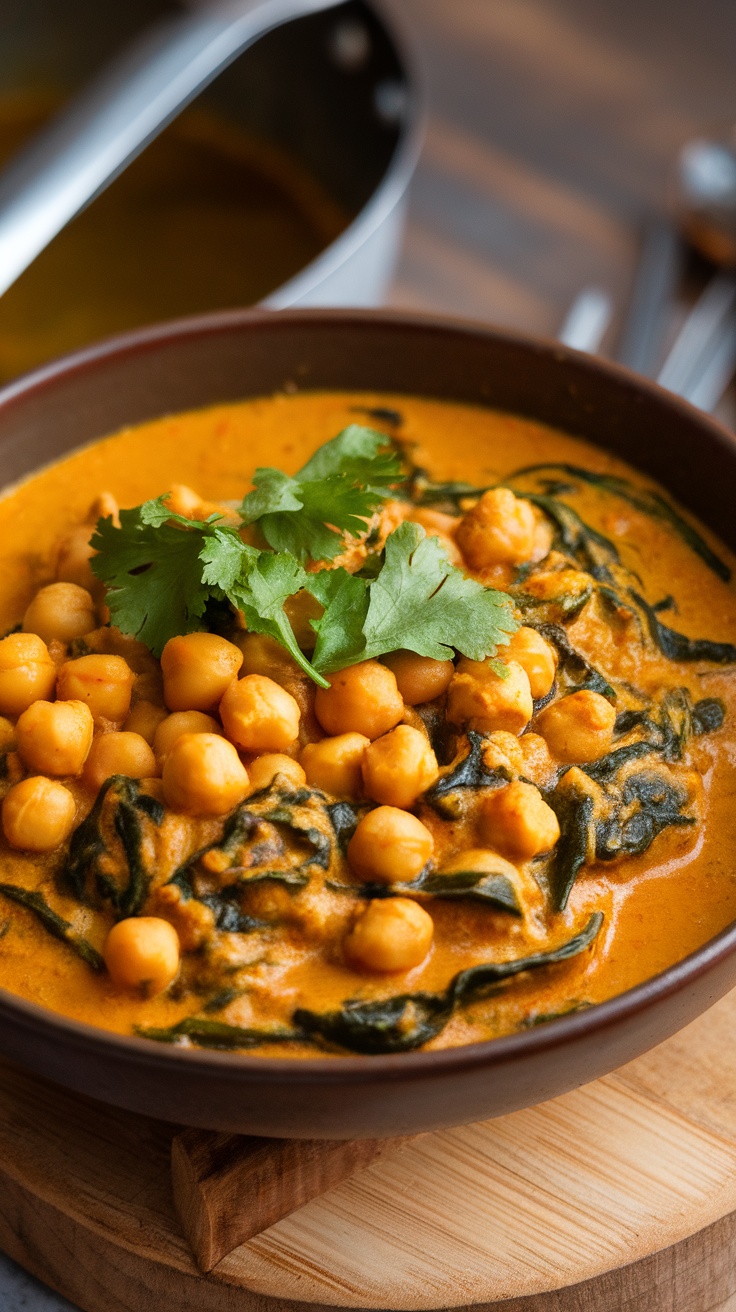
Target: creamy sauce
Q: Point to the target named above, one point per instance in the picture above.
(658, 906)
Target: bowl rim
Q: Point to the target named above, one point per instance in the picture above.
(385, 1068)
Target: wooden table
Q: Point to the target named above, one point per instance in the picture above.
(553, 124)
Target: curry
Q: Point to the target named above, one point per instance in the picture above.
(403, 738)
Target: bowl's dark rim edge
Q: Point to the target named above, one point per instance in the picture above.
(411, 1065)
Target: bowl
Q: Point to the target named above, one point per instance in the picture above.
(235, 355)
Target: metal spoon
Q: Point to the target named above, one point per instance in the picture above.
(129, 103)
(587, 320)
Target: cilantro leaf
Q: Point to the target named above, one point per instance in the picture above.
(340, 639)
(422, 602)
(334, 494)
(153, 573)
(266, 581)
(222, 557)
(161, 574)
(360, 454)
(418, 601)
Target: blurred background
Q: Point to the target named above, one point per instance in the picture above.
(551, 132)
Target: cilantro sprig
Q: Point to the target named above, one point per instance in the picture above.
(163, 570)
(335, 493)
(418, 601)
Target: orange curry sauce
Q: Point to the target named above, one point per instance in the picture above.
(658, 906)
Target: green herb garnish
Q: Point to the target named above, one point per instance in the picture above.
(418, 601)
(334, 494)
(162, 570)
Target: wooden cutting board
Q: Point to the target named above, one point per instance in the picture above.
(621, 1195)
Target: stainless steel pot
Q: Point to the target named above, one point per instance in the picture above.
(336, 91)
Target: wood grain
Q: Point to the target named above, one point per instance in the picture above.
(228, 1188)
(618, 1196)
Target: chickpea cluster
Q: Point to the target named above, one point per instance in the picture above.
(221, 719)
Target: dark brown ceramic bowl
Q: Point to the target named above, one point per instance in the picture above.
(230, 356)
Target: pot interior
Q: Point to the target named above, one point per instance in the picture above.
(238, 195)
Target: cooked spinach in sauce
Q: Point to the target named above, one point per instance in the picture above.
(356, 724)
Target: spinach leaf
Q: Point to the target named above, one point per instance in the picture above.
(53, 923)
(676, 646)
(666, 729)
(228, 916)
(573, 664)
(88, 846)
(491, 889)
(279, 808)
(708, 715)
(382, 414)
(589, 548)
(495, 890)
(609, 765)
(542, 1017)
(344, 821)
(657, 806)
(222, 1000)
(205, 1033)
(470, 772)
(574, 808)
(650, 502)
(405, 1022)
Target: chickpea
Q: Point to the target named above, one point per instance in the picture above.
(144, 718)
(364, 699)
(419, 678)
(503, 751)
(118, 753)
(27, 672)
(535, 655)
(389, 846)
(38, 814)
(104, 506)
(399, 767)
(553, 584)
(300, 610)
(392, 934)
(578, 727)
(438, 525)
(264, 655)
(142, 953)
(198, 668)
(175, 725)
(259, 715)
(60, 610)
(265, 769)
(203, 775)
(536, 760)
(483, 700)
(105, 683)
(55, 737)
(334, 764)
(481, 860)
(499, 530)
(517, 821)
(183, 500)
(73, 556)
